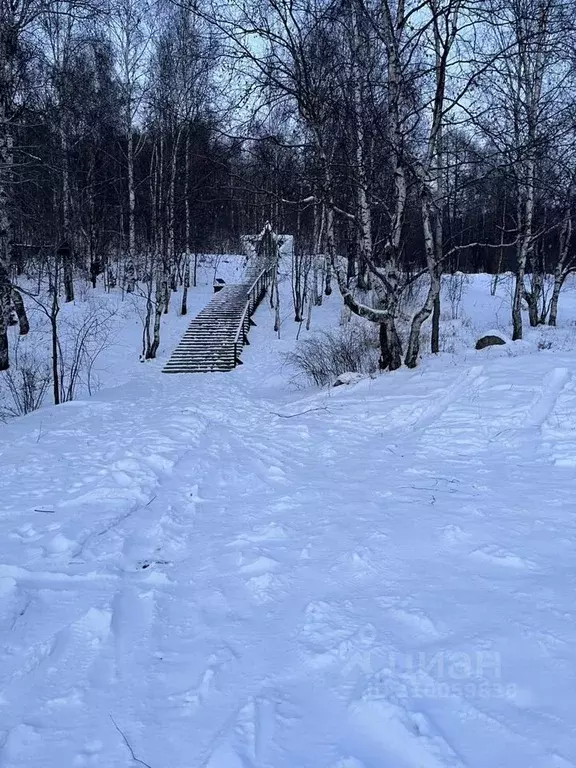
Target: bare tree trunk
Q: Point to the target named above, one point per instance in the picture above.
(195, 271)
(6, 161)
(319, 232)
(67, 266)
(185, 285)
(170, 244)
(532, 45)
(166, 305)
(55, 345)
(494, 283)
(519, 288)
(277, 318)
(186, 281)
(316, 295)
(309, 312)
(130, 268)
(526, 217)
(159, 299)
(4, 315)
(18, 303)
(390, 346)
(563, 264)
(364, 216)
(517, 303)
(413, 348)
(558, 283)
(435, 268)
(435, 339)
(328, 278)
(533, 297)
(146, 337)
(300, 272)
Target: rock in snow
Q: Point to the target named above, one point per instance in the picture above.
(489, 341)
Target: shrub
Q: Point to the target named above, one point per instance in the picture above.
(322, 357)
(23, 386)
(456, 285)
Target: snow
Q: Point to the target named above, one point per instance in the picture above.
(348, 377)
(220, 571)
(117, 321)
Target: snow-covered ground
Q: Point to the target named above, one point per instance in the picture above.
(111, 325)
(219, 571)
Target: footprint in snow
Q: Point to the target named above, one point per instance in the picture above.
(259, 566)
(261, 579)
(59, 544)
(453, 534)
(417, 622)
(360, 562)
(384, 733)
(25, 533)
(269, 532)
(90, 754)
(497, 556)
(245, 742)
(327, 638)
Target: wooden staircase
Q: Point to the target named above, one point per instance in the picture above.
(216, 336)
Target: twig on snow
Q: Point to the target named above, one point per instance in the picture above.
(128, 745)
(301, 413)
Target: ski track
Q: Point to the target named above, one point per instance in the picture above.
(228, 588)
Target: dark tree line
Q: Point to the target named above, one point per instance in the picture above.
(115, 161)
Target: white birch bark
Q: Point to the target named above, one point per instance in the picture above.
(563, 264)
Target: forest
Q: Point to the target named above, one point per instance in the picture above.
(397, 141)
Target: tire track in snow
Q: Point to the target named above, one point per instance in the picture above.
(470, 432)
(91, 656)
(527, 432)
(435, 411)
(552, 386)
(49, 691)
(178, 685)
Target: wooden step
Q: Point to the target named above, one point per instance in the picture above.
(208, 344)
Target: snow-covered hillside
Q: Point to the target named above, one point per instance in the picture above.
(221, 571)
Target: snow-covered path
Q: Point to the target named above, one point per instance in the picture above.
(380, 575)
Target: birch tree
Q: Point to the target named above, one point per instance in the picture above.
(131, 33)
(565, 256)
(445, 19)
(61, 25)
(527, 94)
(16, 18)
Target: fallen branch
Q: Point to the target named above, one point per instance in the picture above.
(128, 745)
(301, 413)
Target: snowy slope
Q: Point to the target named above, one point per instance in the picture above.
(215, 571)
(120, 318)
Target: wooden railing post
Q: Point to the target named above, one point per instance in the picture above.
(255, 295)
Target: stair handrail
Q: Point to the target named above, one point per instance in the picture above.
(252, 300)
